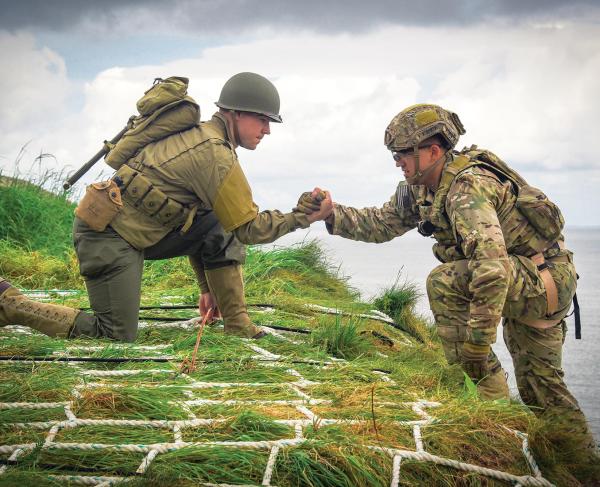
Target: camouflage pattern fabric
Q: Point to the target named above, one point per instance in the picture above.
(477, 221)
(482, 240)
(377, 225)
(417, 123)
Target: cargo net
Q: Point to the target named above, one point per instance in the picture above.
(178, 434)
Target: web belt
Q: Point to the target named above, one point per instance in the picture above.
(552, 293)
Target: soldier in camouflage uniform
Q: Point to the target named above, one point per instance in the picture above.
(496, 263)
(184, 194)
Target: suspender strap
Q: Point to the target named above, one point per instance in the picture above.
(540, 324)
(552, 293)
(577, 318)
(549, 284)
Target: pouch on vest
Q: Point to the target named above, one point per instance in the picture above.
(542, 213)
(140, 193)
(100, 204)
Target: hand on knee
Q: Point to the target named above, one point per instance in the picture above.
(474, 360)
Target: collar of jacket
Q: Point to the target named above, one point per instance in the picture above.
(225, 125)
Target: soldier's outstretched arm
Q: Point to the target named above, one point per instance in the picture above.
(396, 217)
(225, 189)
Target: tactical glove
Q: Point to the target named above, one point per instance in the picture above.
(307, 204)
(474, 360)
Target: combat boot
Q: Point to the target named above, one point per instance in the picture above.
(493, 386)
(50, 319)
(227, 286)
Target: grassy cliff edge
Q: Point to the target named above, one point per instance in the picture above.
(346, 400)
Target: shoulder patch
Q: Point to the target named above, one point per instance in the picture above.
(234, 205)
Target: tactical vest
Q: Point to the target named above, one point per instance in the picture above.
(543, 216)
(149, 214)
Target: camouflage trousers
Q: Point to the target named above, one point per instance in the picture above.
(536, 353)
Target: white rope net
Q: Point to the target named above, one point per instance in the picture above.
(301, 400)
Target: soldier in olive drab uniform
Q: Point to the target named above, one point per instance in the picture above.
(185, 194)
(496, 263)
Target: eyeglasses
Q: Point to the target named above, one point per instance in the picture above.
(400, 154)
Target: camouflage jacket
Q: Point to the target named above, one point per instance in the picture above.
(476, 220)
(199, 168)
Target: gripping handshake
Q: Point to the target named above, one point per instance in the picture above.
(316, 205)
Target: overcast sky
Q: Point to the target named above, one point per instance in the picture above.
(522, 75)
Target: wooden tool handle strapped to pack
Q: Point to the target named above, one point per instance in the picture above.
(164, 109)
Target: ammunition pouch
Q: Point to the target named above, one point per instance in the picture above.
(139, 192)
(542, 213)
(100, 204)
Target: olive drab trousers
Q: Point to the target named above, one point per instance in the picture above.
(112, 270)
(536, 353)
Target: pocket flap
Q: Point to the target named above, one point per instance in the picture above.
(170, 212)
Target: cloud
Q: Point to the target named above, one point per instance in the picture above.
(233, 16)
(527, 92)
(34, 89)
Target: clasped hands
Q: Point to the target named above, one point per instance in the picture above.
(316, 205)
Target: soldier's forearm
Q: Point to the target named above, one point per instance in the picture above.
(198, 268)
(366, 225)
(488, 287)
(270, 225)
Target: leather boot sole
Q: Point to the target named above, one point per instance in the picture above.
(260, 334)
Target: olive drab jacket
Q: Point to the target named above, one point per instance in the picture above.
(190, 170)
(474, 216)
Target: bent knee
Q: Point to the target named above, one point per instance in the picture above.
(437, 281)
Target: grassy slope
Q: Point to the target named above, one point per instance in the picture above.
(35, 253)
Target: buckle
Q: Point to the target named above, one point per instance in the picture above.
(543, 266)
(426, 228)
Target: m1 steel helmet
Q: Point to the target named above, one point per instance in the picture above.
(250, 92)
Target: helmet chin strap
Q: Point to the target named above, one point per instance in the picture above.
(232, 125)
(420, 176)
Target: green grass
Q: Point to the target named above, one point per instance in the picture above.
(43, 382)
(35, 218)
(195, 464)
(114, 435)
(340, 338)
(131, 402)
(334, 455)
(325, 463)
(246, 426)
(398, 301)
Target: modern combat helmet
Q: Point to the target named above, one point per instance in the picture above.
(250, 92)
(417, 123)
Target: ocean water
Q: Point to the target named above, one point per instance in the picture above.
(372, 267)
